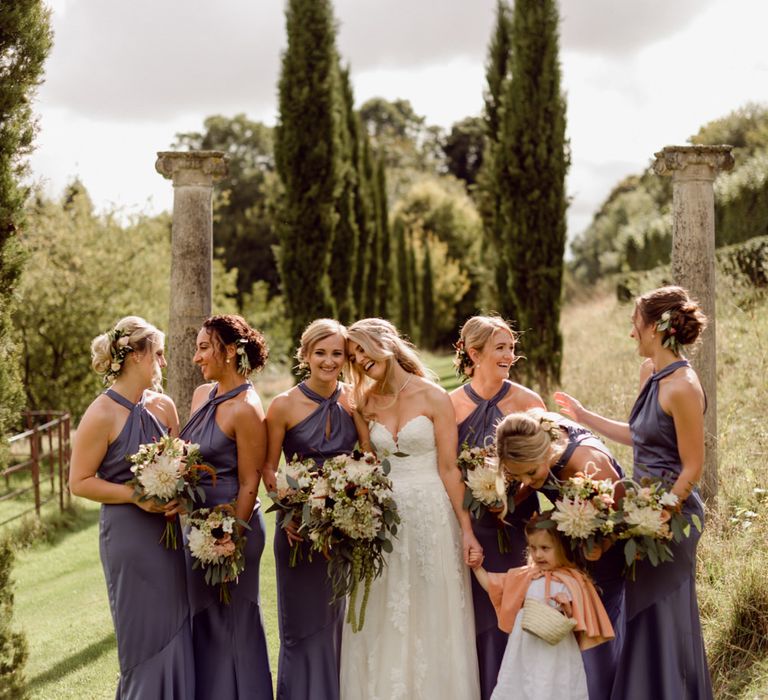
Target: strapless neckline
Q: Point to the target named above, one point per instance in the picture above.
(396, 438)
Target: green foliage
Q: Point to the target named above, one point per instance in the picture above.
(632, 230)
(308, 153)
(404, 282)
(384, 288)
(365, 213)
(463, 149)
(25, 40)
(84, 273)
(427, 301)
(268, 315)
(244, 226)
(13, 645)
(534, 159)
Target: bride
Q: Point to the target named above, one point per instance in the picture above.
(418, 637)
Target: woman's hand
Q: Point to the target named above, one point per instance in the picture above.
(150, 505)
(269, 479)
(291, 530)
(472, 548)
(570, 406)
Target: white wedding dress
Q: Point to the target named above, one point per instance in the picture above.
(418, 641)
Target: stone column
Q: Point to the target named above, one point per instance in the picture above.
(693, 170)
(193, 174)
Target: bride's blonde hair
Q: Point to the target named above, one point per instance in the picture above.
(381, 342)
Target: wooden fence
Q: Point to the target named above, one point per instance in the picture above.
(44, 450)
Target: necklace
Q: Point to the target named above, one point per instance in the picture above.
(405, 384)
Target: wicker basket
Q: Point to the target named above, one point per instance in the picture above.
(546, 622)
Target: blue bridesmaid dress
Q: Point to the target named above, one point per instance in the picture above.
(230, 648)
(146, 582)
(310, 624)
(478, 429)
(600, 662)
(663, 654)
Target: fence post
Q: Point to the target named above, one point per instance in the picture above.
(51, 468)
(35, 455)
(60, 451)
(67, 455)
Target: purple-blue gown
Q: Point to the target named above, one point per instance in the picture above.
(146, 582)
(478, 429)
(663, 654)
(230, 648)
(310, 624)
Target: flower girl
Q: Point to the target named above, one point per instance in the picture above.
(559, 614)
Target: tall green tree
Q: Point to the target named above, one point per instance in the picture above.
(489, 178)
(365, 211)
(25, 40)
(463, 149)
(371, 307)
(427, 301)
(534, 159)
(346, 239)
(384, 285)
(404, 282)
(308, 155)
(244, 232)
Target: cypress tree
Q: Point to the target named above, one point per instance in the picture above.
(533, 204)
(413, 288)
(427, 300)
(364, 213)
(345, 241)
(384, 286)
(25, 40)
(405, 318)
(374, 246)
(490, 181)
(308, 152)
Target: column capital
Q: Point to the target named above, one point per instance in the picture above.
(707, 161)
(200, 168)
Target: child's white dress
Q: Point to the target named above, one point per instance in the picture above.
(532, 669)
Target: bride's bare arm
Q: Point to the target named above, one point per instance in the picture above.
(447, 439)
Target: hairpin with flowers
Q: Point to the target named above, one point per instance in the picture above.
(549, 426)
(462, 360)
(243, 363)
(118, 350)
(668, 331)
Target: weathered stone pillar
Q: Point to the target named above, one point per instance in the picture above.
(193, 174)
(693, 170)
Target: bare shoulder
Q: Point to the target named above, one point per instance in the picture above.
(523, 397)
(156, 401)
(201, 393)
(100, 415)
(250, 403)
(683, 384)
(346, 397)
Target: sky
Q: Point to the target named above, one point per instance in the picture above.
(124, 77)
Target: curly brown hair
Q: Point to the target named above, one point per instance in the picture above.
(231, 329)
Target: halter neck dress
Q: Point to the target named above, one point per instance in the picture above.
(478, 429)
(600, 662)
(310, 625)
(663, 654)
(154, 641)
(230, 648)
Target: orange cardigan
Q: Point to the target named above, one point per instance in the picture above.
(507, 592)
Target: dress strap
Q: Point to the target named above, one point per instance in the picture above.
(494, 400)
(673, 366)
(317, 398)
(119, 398)
(209, 406)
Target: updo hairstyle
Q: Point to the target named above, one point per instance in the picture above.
(475, 333)
(130, 334)
(230, 329)
(381, 342)
(678, 317)
(318, 330)
(527, 436)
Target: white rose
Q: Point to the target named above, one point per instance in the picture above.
(122, 342)
(669, 499)
(115, 366)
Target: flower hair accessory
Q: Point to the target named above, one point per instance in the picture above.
(549, 426)
(668, 331)
(462, 360)
(118, 350)
(243, 363)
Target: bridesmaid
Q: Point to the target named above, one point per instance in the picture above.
(663, 653)
(228, 423)
(154, 644)
(537, 449)
(485, 353)
(313, 419)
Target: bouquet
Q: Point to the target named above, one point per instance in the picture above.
(295, 480)
(647, 517)
(584, 511)
(217, 546)
(650, 517)
(486, 489)
(351, 516)
(169, 469)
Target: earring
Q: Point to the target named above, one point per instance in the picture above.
(227, 360)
